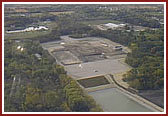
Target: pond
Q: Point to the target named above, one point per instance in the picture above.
(114, 100)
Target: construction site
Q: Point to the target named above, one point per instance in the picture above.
(98, 64)
(70, 51)
(90, 56)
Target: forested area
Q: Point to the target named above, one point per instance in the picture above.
(40, 85)
(137, 16)
(147, 60)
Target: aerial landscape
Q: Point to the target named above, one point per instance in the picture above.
(83, 58)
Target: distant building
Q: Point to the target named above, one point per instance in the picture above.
(41, 28)
(104, 44)
(17, 41)
(118, 48)
(38, 56)
(110, 26)
(29, 29)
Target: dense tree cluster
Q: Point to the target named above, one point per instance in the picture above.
(147, 59)
(118, 36)
(33, 84)
(138, 17)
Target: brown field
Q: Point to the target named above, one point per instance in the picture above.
(20, 10)
(60, 13)
(16, 10)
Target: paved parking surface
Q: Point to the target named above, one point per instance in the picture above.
(102, 67)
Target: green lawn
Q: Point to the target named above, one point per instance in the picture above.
(97, 22)
(23, 35)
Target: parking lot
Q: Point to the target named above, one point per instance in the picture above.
(101, 67)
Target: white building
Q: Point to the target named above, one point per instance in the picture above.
(29, 29)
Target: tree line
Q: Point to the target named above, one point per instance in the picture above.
(40, 85)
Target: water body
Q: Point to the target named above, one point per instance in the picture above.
(114, 100)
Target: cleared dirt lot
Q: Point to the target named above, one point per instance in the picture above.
(90, 56)
(66, 57)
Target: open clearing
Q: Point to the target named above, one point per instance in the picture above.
(97, 22)
(23, 35)
(61, 13)
(88, 57)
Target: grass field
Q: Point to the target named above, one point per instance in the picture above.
(97, 22)
(92, 82)
(53, 13)
(23, 35)
(60, 13)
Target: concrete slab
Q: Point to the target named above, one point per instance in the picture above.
(102, 67)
